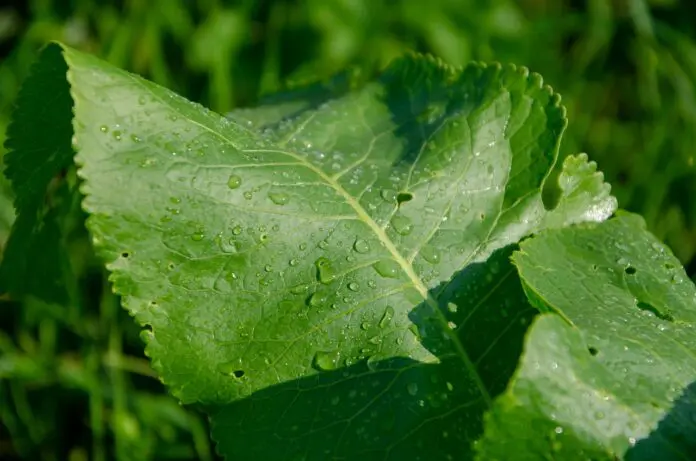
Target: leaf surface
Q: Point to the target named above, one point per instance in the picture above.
(329, 278)
(615, 379)
(38, 141)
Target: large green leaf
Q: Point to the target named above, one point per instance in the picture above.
(612, 375)
(331, 280)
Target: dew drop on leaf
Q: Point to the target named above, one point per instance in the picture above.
(279, 198)
(248, 195)
(325, 271)
(293, 262)
(353, 286)
(402, 224)
(326, 361)
(365, 325)
(413, 328)
(299, 289)
(361, 246)
(234, 181)
(197, 236)
(386, 317)
(103, 128)
(412, 388)
(430, 254)
(236, 230)
(315, 300)
(387, 268)
(388, 195)
(372, 363)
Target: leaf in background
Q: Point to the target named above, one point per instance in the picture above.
(38, 144)
(616, 381)
(322, 284)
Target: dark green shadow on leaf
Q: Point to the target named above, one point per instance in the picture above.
(393, 409)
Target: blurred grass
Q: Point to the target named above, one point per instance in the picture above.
(74, 382)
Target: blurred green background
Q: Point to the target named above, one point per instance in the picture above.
(75, 384)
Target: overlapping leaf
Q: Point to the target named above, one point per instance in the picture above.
(615, 379)
(332, 281)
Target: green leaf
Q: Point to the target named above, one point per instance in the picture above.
(38, 144)
(611, 376)
(330, 279)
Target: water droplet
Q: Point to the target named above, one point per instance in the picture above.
(268, 268)
(326, 361)
(361, 246)
(279, 198)
(117, 135)
(325, 271)
(402, 224)
(323, 244)
(430, 254)
(412, 388)
(103, 128)
(558, 430)
(236, 230)
(248, 195)
(197, 236)
(293, 262)
(413, 328)
(303, 246)
(452, 307)
(299, 289)
(387, 268)
(354, 286)
(386, 317)
(234, 181)
(388, 195)
(365, 326)
(316, 300)
(135, 138)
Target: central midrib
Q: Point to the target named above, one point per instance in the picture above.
(405, 265)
